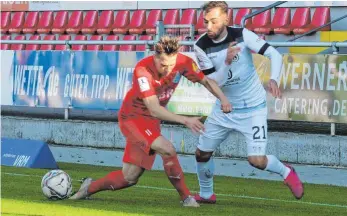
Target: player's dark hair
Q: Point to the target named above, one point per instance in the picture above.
(167, 45)
(207, 7)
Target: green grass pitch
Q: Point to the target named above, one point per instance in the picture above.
(21, 195)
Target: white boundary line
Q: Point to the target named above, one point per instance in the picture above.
(223, 195)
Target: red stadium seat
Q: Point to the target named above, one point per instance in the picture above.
(302, 17)
(188, 18)
(281, 18)
(48, 46)
(45, 22)
(171, 17)
(74, 24)
(17, 22)
(200, 28)
(94, 47)
(121, 22)
(128, 47)
(89, 23)
(60, 22)
(5, 21)
(153, 17)
(33, 46)
(18, 46)
(240, 14)
(105, 22)
(5, 46)
(79, 47)
(30, 23)
(111, 47)
(260, 20)
(320, 17)
(137, 22)
(62, 37)
(143, 47)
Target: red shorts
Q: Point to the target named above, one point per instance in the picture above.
(140, 133)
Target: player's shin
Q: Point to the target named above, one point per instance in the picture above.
(276, 166)
(175, 174)
(113, 181)
(205, 171)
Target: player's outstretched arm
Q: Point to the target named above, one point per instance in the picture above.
(213, 87)
(157, 111)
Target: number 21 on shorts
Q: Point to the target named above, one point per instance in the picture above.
(259, 132)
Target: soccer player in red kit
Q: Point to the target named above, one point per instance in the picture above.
(154, 81)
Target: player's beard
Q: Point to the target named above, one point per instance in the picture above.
(215, 36)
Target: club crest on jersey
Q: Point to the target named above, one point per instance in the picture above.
(236, 58)
(143, 84)
(177, 77)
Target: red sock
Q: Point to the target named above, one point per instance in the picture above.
(113, 181)
(175, 174)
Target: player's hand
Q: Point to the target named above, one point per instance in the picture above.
(273, 89)
(195, 124)
(231, 52)
(226, 105)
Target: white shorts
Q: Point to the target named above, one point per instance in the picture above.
(252, 124)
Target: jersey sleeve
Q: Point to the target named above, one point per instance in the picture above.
(263, 48)
(143, 82)
(205, 63)
(254, 42)
(192, 71)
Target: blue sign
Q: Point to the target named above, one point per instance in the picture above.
(26, 153)
(38, 78)
(81, 79)
(102, 78)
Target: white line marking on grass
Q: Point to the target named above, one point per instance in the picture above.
(223, 195)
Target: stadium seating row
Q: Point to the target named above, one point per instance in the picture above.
(139, 23)
(75, 47)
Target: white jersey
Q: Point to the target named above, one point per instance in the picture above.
(242, 85)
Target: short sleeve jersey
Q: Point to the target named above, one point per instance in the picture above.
(147, 82)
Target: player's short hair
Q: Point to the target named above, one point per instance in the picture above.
(207, 7)
(167, 45)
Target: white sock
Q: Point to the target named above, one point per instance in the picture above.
(205, 171)
(276, 166)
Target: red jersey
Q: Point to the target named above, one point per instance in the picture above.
(146, 83)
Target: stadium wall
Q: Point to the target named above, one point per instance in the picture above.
(291, 147)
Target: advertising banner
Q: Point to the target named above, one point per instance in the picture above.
(314, 87)
(39, 78)
(14, 5)
(100, 80)
(6, 77)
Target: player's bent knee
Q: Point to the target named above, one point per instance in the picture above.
(259, 162)
(131, 179)
(202, 156)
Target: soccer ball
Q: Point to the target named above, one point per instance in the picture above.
(56, 185)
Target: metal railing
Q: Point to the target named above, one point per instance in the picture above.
(161, 29)
(243, 20)
(152, 42)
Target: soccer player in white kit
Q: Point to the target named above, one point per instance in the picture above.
(224, 55)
